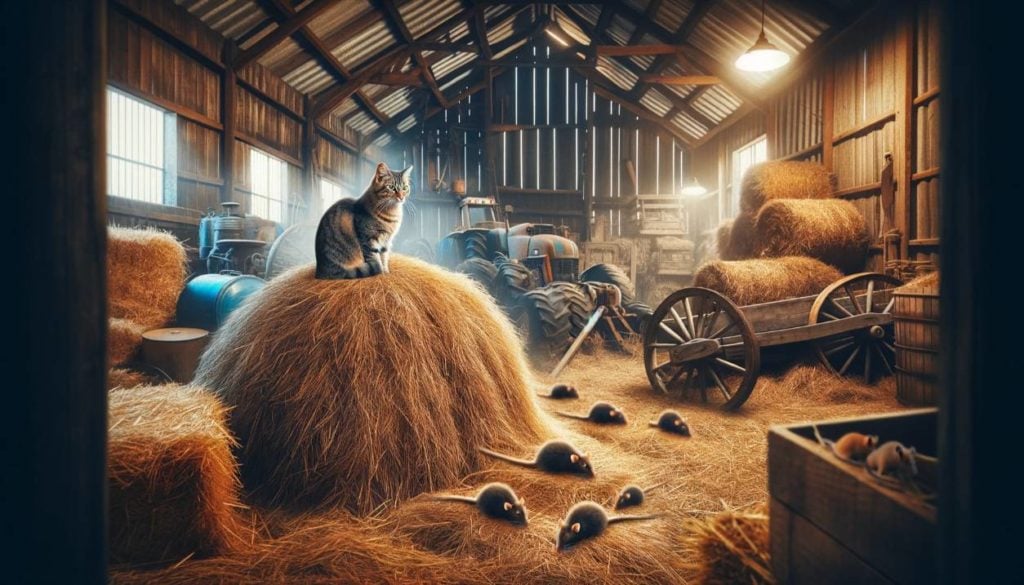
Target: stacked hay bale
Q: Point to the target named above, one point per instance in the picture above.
(146, 272)
(172, 478)
(359, 393)
(791, 237)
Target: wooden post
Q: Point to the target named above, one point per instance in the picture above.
(828, 116)
(54, 427)
(903, 158)
(309, 161)
(228, 89)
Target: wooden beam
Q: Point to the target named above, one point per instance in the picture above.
(650, 12)
(442, 47)
(335, 37)
(479, 29)
(329, 99)
(411, 77)
(228, 97)
(680, 79)
(638, 50)
(283, 31)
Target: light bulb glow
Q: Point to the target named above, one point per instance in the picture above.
(762, 56)
(693, 189)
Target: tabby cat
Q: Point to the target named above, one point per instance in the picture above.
(355, 235)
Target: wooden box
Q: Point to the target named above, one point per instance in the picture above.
(831, 522)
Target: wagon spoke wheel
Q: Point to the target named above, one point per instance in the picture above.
(699, 341)
(865, 353)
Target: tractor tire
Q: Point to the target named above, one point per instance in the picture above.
(513, 280)
(641, 315)
(611, 274)
(580, 302)
(544, 316)
(475, 246)
(480, 270)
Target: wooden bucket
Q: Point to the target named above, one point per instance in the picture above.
(916, 319)
(175, 351)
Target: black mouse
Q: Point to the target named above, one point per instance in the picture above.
(495, 500)
(671, 421)
(587, 520)
(633, 495)
(561, 392)
(601, 413)
(553, 457)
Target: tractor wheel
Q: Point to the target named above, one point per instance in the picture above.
(480, 270)
(546, 317)
(611, 274)
(476, 245)
(512, 281)
(580, 302)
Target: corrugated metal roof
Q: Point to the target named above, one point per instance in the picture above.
(511, 49)
(731, 26)
(407, 123)
(368, 42)
(452, 62)
(616, 73)
(716, 103)
(501, 32)
(231, 18)
(338, 16)
(672, 13)
(588, 12)
(569, 26)
(689, 126)
(656, 102)
(456, 82)
(383, 140)
(619, 30)
(362, 122)
(395, 101)
(421, 16)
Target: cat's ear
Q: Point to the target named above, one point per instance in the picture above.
(407, 174)
(382, 172)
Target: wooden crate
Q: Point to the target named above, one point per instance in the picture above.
(831, 522)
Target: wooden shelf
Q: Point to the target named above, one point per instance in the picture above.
(925, 242)
(926, 97)
(864, 128)
(853, 192)
(927, 174)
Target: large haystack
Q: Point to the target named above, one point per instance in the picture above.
(173, 480)
(145, 274)
(830, 230)
(785, 180)
(741, 237)
(748, 282)
(364, 392)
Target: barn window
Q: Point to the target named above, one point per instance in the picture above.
(140, 150)
(742, 159)
(331, 192)
(269, 178)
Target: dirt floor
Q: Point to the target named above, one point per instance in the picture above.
(722, 467)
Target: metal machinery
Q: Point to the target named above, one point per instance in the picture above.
(533, 271)
(230, 241)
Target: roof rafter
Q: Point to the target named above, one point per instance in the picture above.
(283, 31)
(394, 19)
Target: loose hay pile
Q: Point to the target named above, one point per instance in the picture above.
(124, 378)
(730, 547)
(784, 180)
(830, 230)
(173, 480)
(364, 392)
(721, 469)
(748, 282)
(145, 274)
(741, 237)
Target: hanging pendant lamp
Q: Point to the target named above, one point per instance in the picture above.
(762, 56)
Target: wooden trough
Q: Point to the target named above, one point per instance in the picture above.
(831, 521)
(697, 339)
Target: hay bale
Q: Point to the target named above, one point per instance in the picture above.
(741, 237)
(362, 392)
(723, 240)
(730, 547)
(784, 180)
(927, 282)
(124, 338)
(124, 378)
(173, 481)
(830, 230)
(748, 282)
(145, 274)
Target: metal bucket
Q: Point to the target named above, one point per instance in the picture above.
(174, 351)
(209, 299)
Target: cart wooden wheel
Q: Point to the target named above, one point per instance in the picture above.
(697, 339)
(864, 352)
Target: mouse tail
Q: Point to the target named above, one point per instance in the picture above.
(453, 498)
(631, 517)
(504, 457)
(570, 415)
(817, 435)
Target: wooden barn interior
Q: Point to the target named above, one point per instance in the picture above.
(416, 291)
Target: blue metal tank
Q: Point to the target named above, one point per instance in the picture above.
(209, 299)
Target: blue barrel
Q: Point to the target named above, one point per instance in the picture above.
(209, 299)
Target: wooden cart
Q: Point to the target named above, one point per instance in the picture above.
(698, 340)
